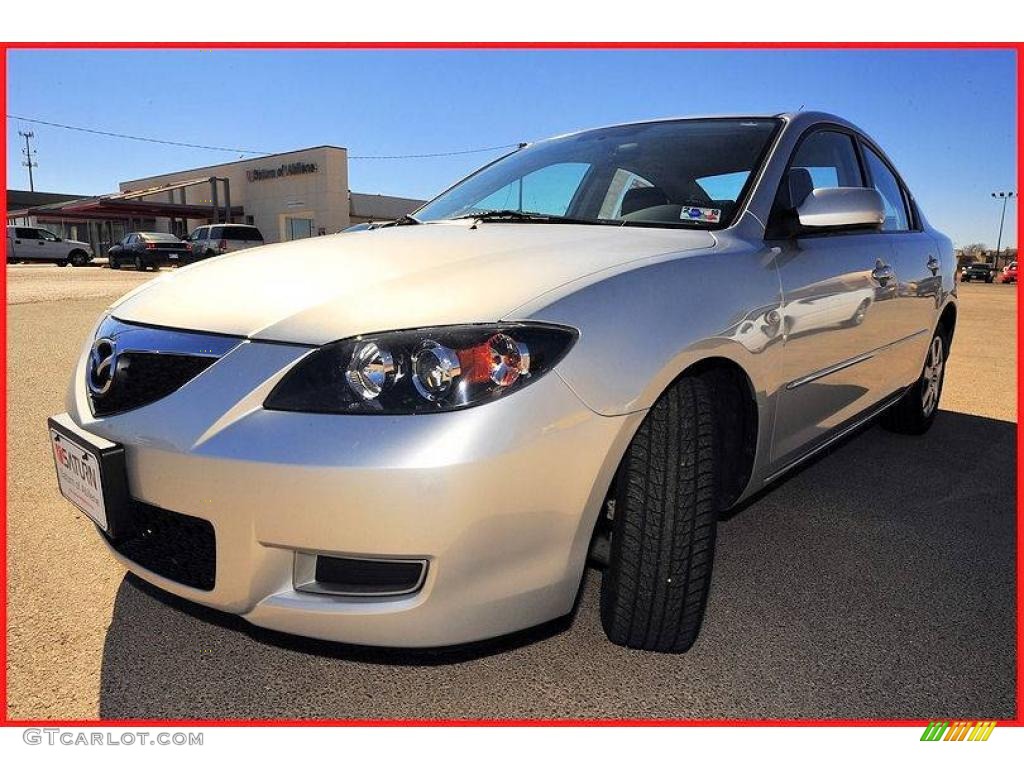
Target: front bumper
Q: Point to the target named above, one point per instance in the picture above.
(500, 499)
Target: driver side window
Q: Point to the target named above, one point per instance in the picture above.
(824, 159)
(830, 158)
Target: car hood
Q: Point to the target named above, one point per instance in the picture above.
(326, 288)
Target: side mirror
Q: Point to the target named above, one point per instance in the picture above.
(841, 207)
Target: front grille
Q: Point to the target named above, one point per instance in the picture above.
(178, 547)
(131, 365)
(144, 377)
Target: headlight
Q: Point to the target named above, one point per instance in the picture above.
(421, 371)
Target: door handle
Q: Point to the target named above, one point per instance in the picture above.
(883, 273)
(933, 264)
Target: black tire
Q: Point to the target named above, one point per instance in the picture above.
(988, 279)
(655, 588)
(915, 412)
(61, 263)
(113, 263)
(79, 258)
(140, 265)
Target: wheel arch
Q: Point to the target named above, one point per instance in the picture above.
(947, 323)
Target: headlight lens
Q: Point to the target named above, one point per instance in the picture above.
(421, 371)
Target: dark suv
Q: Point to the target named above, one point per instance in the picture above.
(977, 271)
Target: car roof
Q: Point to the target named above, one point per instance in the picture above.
(800, 119)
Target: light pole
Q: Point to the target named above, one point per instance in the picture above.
(1005, 196)
(28, 152)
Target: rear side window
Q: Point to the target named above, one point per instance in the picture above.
(888, 186)
(830, 158)
(240, 232)
(24, 233)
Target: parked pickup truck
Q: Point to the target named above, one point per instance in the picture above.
(31, 244)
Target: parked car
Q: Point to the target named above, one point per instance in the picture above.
(367, 225)
(418, 438)
(215, 239)
(148, 250)
(1010, 272)
(34, 244)
(978, 271)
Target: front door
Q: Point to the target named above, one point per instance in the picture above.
(49, 246)
(839, 307)
(916, 259)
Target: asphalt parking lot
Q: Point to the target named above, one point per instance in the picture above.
(876, 583)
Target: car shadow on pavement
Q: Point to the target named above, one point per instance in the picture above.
(877, 582)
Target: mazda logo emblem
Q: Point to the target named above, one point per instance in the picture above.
(102, 367)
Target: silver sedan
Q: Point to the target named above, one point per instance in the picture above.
(587, 350)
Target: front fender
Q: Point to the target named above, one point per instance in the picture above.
(642, 327)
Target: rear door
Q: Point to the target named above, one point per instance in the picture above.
(917, 263)
(839, 308)
(30, 244)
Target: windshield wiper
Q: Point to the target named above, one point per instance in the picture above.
(404, 220)
(511, 214)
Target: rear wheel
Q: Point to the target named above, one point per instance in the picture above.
(915, 412)
(62, 263)
(655, 588)
(79, 258)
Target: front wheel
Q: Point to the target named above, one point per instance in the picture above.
(113, 263)
(655, 588)
(915, 412)
(140, 265)
(62, 263)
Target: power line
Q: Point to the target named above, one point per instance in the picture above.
(436, 154)
(136, 138)
(253, 151)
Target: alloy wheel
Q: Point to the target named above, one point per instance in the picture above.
(932, 378)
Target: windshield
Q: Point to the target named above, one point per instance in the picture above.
(158, 237)
(678, 173)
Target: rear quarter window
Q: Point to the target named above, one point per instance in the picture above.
(241, 232)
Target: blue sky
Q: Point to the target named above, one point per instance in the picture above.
(946, 118)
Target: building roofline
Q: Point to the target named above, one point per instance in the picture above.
(235, 162)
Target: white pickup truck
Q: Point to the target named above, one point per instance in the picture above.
(31, 244)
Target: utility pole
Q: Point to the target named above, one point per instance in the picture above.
(28, 152)
(1005, 196)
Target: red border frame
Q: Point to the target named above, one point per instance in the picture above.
(1018, 47)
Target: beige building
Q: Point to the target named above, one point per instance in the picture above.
(289, 196)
